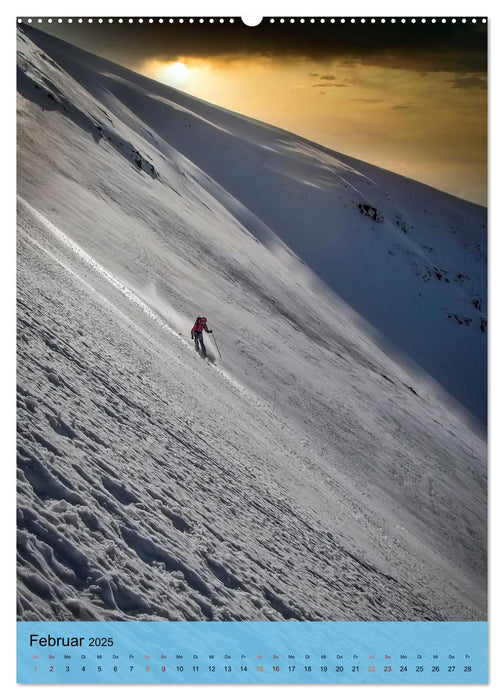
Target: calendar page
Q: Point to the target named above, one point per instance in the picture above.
(252, 350)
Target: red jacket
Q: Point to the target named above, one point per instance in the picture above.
(199, 326)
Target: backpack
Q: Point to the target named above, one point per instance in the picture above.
(199, 324)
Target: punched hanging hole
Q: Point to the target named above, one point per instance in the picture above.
(251, 21)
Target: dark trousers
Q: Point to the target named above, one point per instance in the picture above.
(198, 341)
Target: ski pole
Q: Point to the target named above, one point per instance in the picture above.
(216, 346)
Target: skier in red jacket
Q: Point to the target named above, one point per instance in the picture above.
(200, 325)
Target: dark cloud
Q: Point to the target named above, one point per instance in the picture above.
(460, 48)
(327, 77)
(468, 81)
(327, 85)
(368, 100)
(404, 105)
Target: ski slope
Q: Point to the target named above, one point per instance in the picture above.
(316, 472)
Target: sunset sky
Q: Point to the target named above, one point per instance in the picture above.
(407, 97)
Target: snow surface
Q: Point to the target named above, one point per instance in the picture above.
(312, 472)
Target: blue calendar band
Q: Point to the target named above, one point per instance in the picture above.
(252, 652)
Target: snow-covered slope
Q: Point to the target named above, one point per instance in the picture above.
(308, 474)
(410, 259)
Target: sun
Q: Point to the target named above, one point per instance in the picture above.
(176, 72)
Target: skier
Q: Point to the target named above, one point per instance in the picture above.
(200, 325)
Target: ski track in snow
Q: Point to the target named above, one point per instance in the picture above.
(131, 296)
